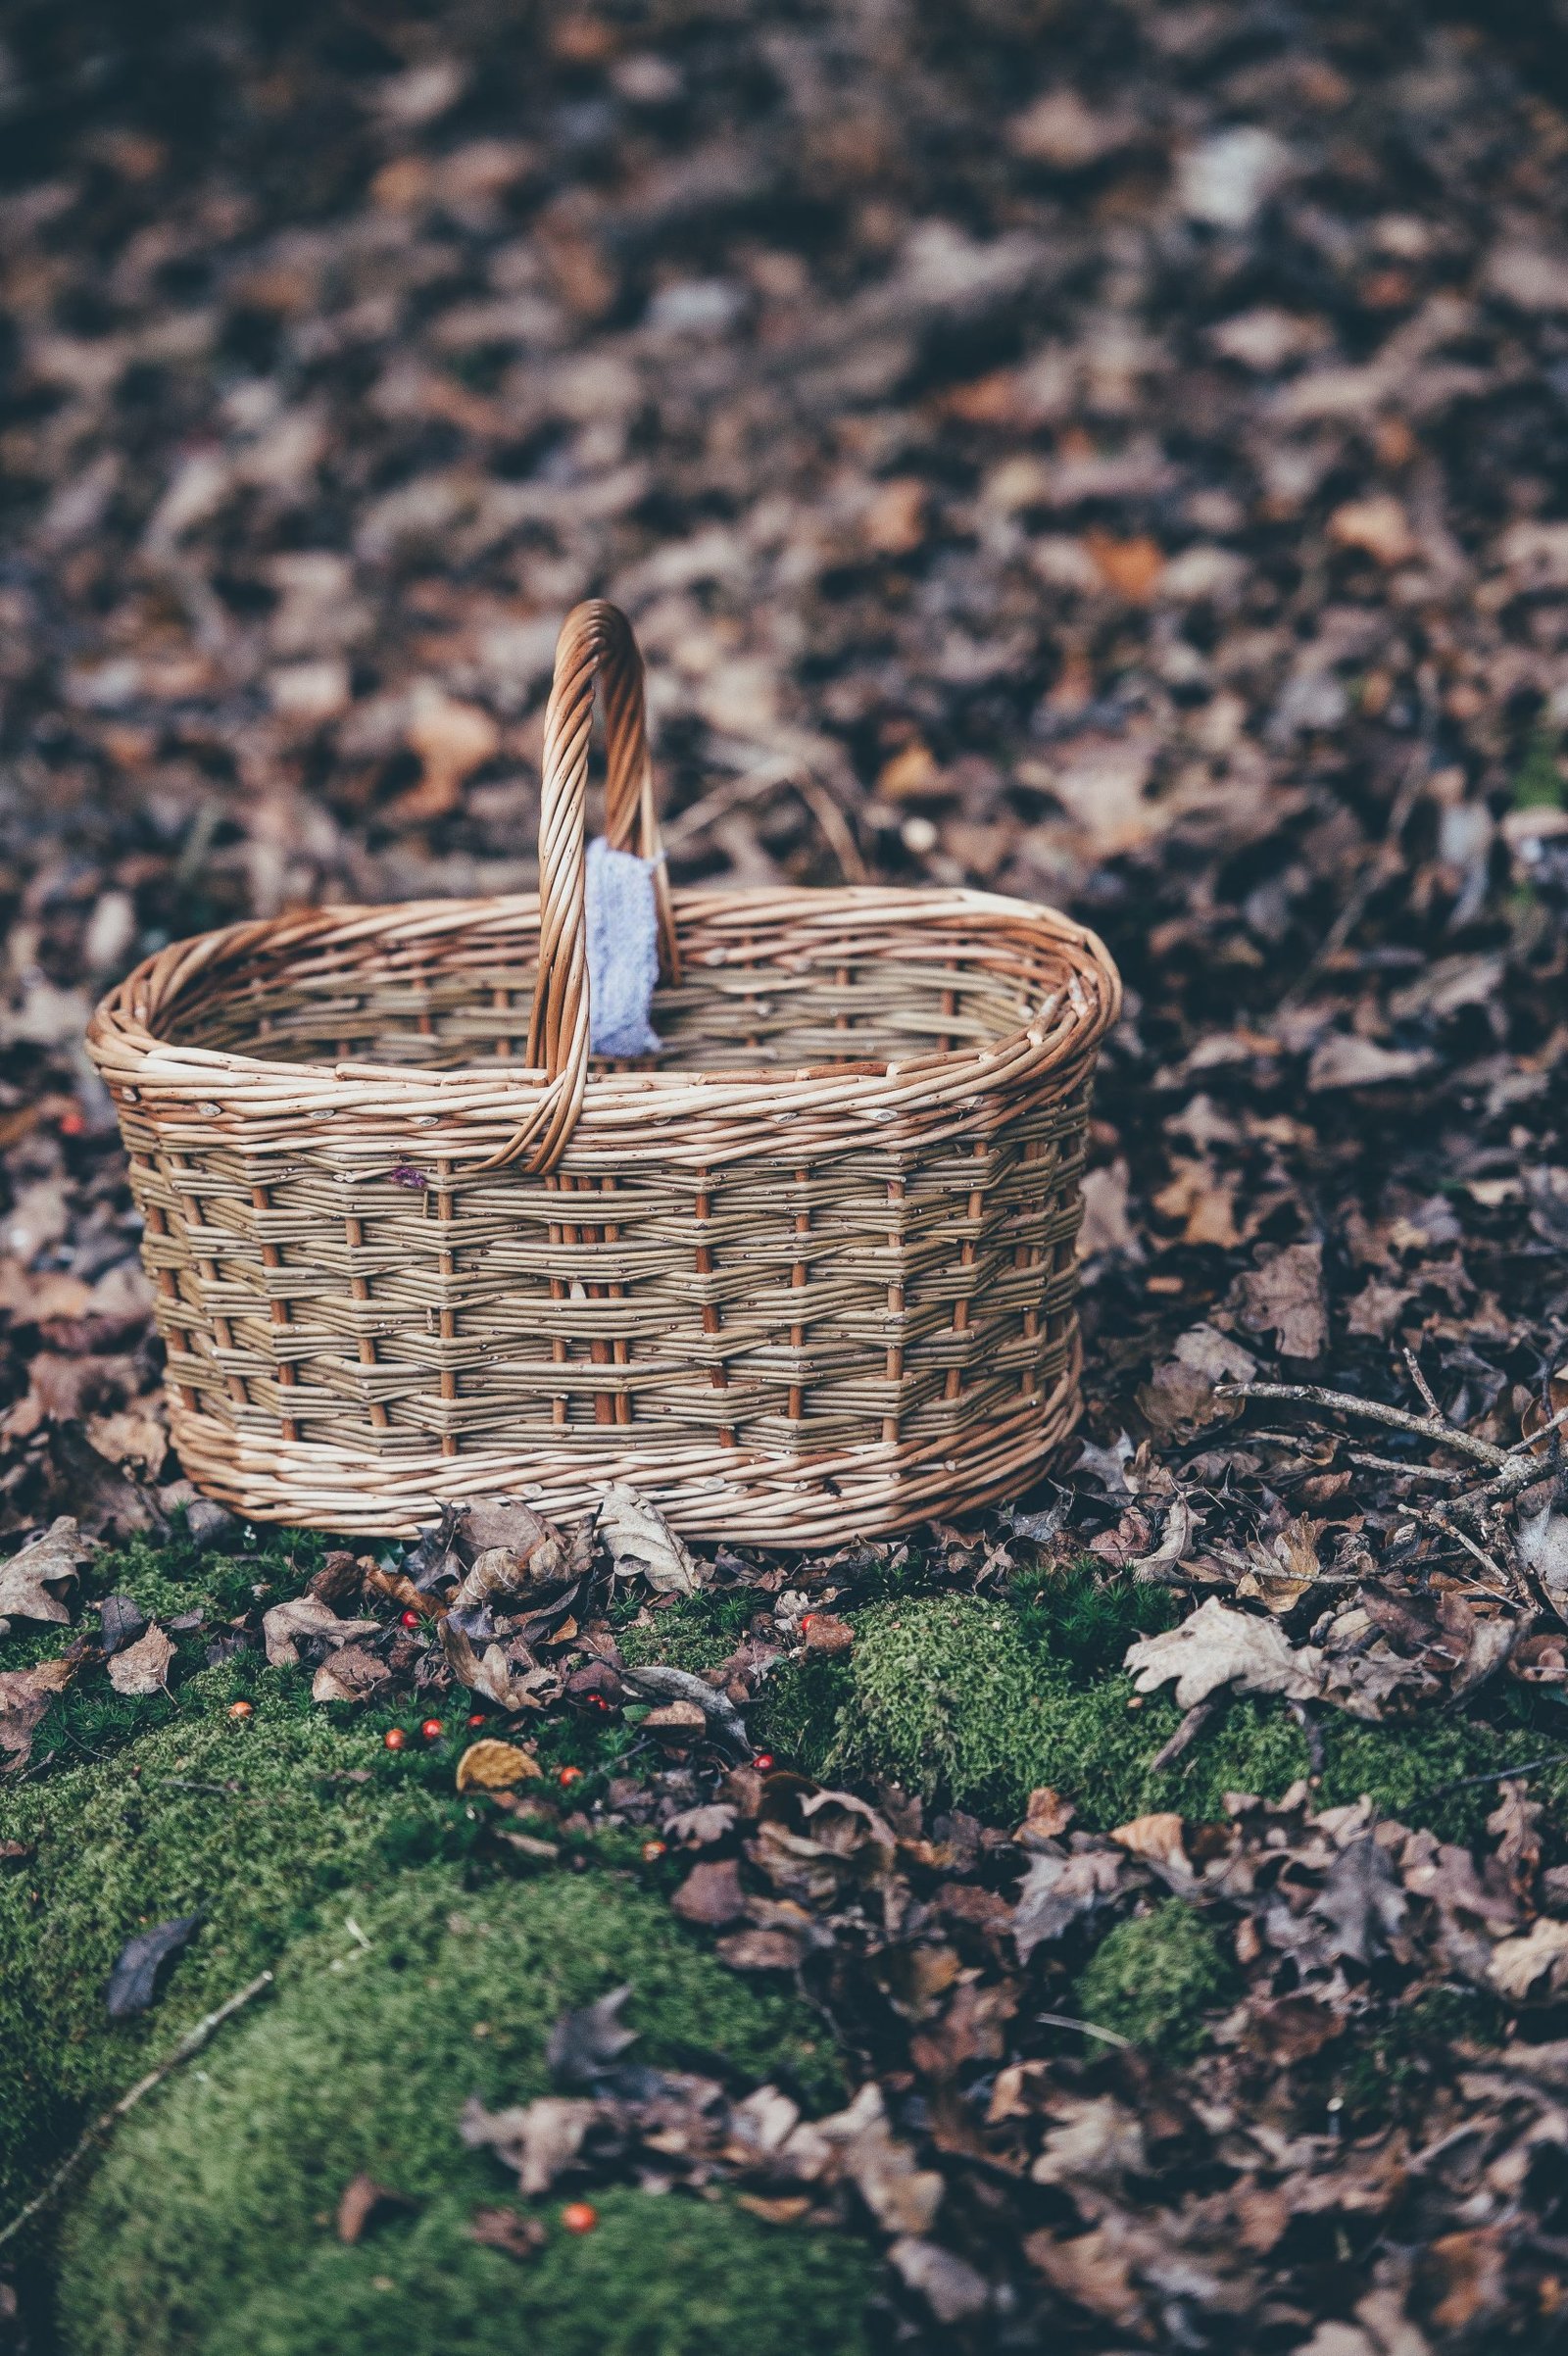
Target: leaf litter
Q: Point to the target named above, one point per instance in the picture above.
(1119, 471)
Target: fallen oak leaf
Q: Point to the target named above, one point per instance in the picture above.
(711, 1895)
(134, 1982)
(539, 2140)
(1362, 1902)
(588, 2039)
(24, 1697)
(492, 1765)
(1216, 1647)
(363, 2200)
(642, 1544)
(143, 1667)
(1057, 1889)
(508, 2230)
(1518, 1963)
(953, 2289)
(490, 1673)
(350, 1674)
(52, 1561)
(122, 1621)
(306, 1618)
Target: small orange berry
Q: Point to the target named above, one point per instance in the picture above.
(652, 1850)
(580, 2217)
(570, 1775)
(431, 1729)
(395, 1739)
(242, 1709)
(477, 1717)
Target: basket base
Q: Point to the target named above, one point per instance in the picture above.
(740, 1496)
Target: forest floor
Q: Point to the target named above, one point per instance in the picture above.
(1109, 453)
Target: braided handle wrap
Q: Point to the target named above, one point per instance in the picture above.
(596, 650)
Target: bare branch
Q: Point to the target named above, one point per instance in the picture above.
(1373, 1410)
(191, 2042)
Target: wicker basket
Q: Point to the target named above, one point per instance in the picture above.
(807, 1275)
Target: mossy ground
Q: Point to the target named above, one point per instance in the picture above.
(1155, 1978)
(204, 2221)
(227, 2181)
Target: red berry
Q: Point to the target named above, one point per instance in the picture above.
(652, 1850)
(431, 1729)
(807, 1617)
(580, 2217)
(477, 1717)
(242, 1709)
(72, 1122)
(763, 1760)
(395, 1739)
(570, 1775)
(410, 1618)
(597, 1701)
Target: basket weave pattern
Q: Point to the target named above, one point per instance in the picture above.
(807, 1275)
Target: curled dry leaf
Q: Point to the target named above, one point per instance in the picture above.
(1517, 1965)
(24, 1697)
(540, 2139)
(306, 1618)
(492, 1673)
(1058, 1890)
(362, 2202)
(350, 1674)
(134, 1980)
(954, 2291)
(143, 1667)
(642, 1544)
(51, 1561)
(1218, 1646)
(492, 1766)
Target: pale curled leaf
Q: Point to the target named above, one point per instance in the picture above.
(143, 1667)
(1216, 1647)
(642, 1544)
(351, 1674)
(540, 2139)
(306, 1618)
(45, 1563)
(1517, 1964)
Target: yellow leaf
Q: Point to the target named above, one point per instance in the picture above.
(491, 1766)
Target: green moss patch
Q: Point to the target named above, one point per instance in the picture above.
(1155, 1977)
(656, 2278)
(967, 1700)
(248, 1824)
(216, 2200)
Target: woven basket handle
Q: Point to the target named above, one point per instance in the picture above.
(596, 651)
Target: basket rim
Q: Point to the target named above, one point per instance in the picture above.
(289, 1098)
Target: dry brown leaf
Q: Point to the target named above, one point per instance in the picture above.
(143, 1667)
(350, 1674)
(1160, 1838)
(1517, 1964)
(306, 1617)
(50, 1561)
(1216, 1647)
(642, 1544)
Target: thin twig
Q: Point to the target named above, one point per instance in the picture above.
(1065, 2020)
(1408, 1472)
(1422, 1384)
(1373, 1410)
(191, 2042)
(1502, 1774)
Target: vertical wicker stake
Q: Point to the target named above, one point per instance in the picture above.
(779, 1280)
